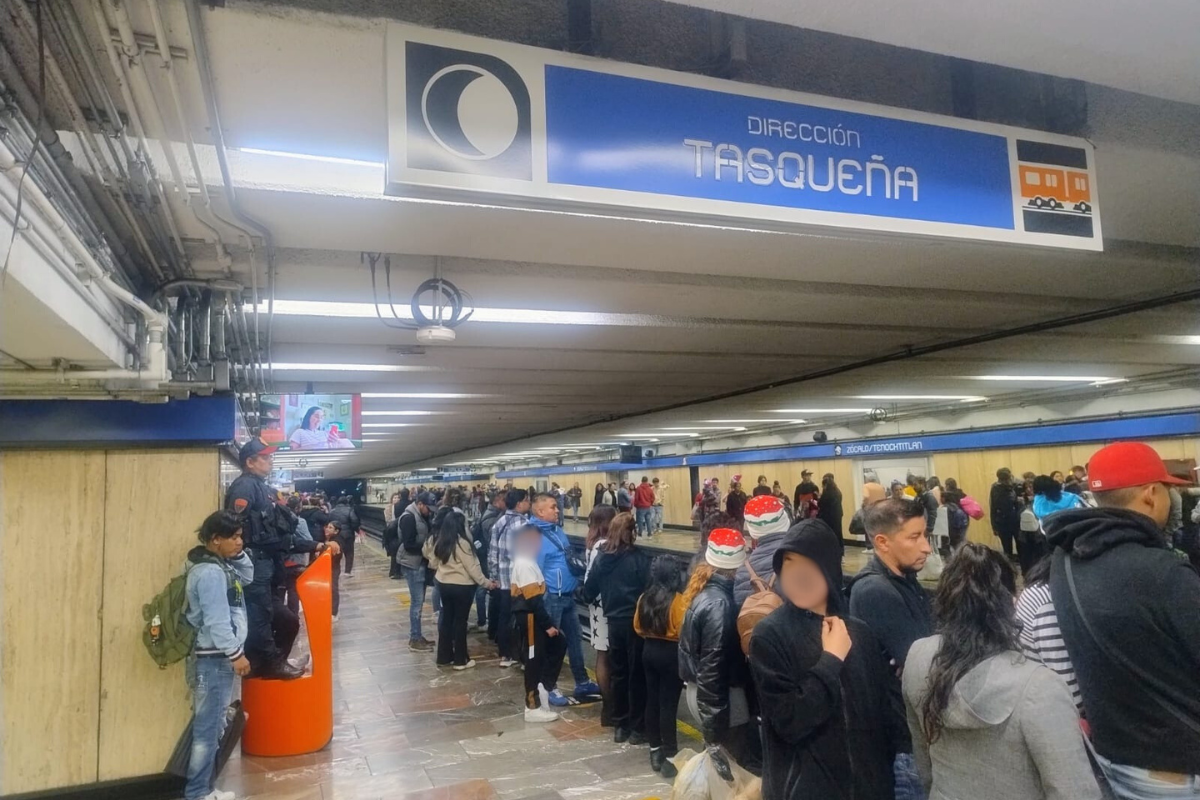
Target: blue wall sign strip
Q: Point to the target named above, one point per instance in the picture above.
(92, 423)
(509, 121)
(1155, 427)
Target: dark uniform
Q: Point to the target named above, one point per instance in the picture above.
(271, 626)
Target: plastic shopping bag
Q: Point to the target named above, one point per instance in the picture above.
(932, 570)
(698, 780)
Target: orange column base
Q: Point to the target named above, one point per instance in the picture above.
(288, 718)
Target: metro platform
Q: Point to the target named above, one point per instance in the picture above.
(405, 729)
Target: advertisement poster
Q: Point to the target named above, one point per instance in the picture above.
(312, 421)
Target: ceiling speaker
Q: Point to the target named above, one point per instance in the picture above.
(820, 437)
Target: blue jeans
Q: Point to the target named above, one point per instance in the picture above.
(561, 609)
(481, 600)
(908, 780)
(645, 521)
(656, 518)
(415, 577)
(1136, 783)
(211, 682)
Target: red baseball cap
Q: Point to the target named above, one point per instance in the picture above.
(1126, 464)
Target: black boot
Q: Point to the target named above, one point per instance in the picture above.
(668, 768)
(621, 735)
(656, 759)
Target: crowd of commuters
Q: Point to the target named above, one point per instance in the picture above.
(885, 684)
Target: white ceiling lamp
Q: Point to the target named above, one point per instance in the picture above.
(707, 428)
(963, 398)
(390, 424)
(308, 157)
(651, 436)
(820, 411)
(761, 421)
(403, 413)
(508, 316)
(421, 396)
(288, 366)
(1094, 380)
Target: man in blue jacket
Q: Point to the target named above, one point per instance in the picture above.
(217, 571)
(560, 599)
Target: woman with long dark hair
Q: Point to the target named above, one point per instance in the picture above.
(623, 570)
(598, 499)
(457, 574)
(829, 504)
(309, 436)
(658, 619)
(986, 722)
(598, 521)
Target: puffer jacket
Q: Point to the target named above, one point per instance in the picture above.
(760, 559)
(710, 654)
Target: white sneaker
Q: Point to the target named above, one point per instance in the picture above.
(217, 794)
(507, 662)
(468, 665)
(540, 715)
(543, 695)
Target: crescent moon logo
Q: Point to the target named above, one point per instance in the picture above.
(469, 112)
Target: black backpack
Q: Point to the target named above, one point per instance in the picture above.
(391, 538)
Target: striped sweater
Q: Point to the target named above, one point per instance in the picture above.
(1041, 638)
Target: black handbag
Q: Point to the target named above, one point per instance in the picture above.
(235, 723)
(575, 564)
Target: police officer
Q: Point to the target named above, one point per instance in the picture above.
(272, 627)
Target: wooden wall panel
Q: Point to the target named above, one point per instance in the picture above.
(587, 482)
(52, 536)
(677, 497)
(150, 525)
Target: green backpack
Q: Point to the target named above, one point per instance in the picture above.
(168, 636)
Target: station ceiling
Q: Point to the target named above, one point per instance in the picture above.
(590, 319)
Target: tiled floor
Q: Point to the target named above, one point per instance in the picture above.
(405, 729)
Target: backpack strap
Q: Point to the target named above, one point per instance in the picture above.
(757, 581)
(1115, 654)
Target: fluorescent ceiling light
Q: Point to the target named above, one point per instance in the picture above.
(402, 413)
(965, 398)
(706, 428)
(297, 367)
(420, 396)
(761, 421)
(1048, 379)
(308, 157)
(515, 316)
(390, 424)
(820, 411)
(651, 436)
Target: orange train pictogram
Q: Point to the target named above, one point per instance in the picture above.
(1056, 188)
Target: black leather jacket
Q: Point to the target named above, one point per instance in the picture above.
(710, 656)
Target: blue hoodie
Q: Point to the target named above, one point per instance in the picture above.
(552, 559)
(1043, 506)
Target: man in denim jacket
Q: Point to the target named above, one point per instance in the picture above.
(216, 572)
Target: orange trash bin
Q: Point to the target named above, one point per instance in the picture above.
(287, 718)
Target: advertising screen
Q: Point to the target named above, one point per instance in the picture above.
(312, 421)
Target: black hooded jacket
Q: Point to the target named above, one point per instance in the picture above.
(710, 655)
(1141, 684)
(895, 606)
(831, 728)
